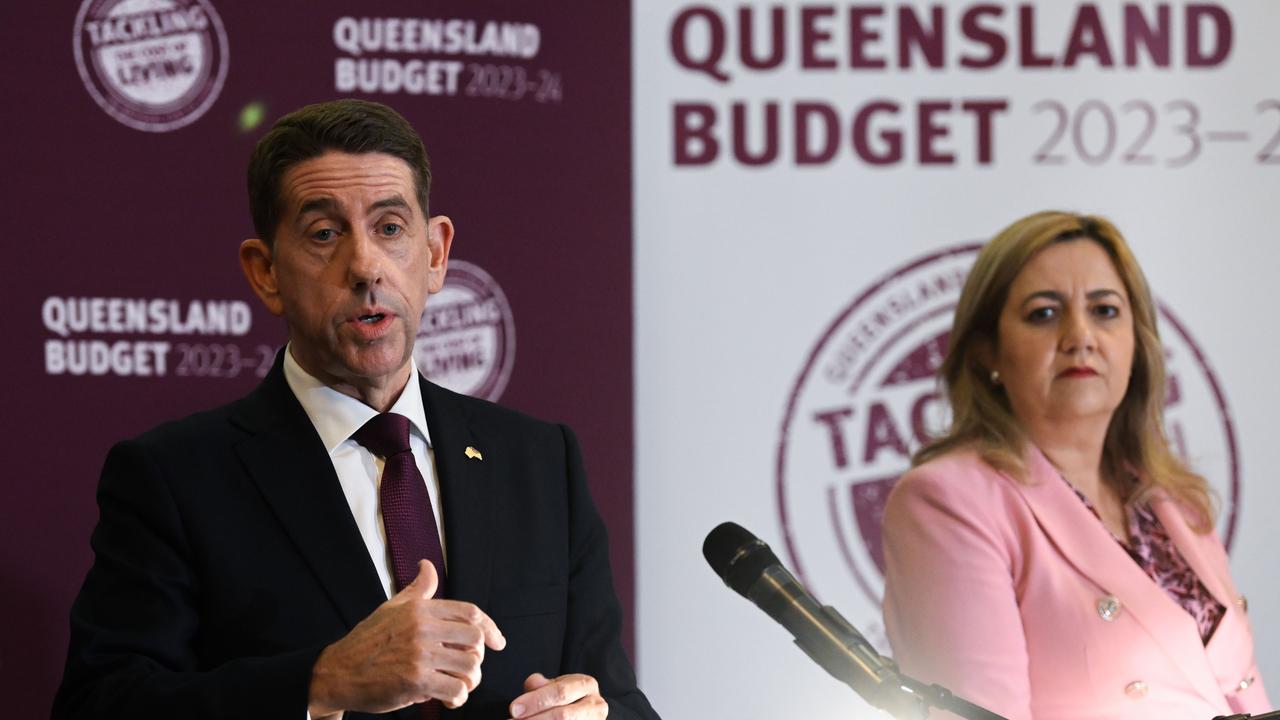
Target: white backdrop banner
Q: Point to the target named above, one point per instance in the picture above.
(812, 182)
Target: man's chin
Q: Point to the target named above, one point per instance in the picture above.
(377, 365)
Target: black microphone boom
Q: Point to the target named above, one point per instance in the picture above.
(747, 565)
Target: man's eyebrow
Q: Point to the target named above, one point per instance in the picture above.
(321, 204)
(329, 205)
(395, 201)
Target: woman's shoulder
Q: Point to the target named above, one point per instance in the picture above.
(954, 502)
(959, 478)
(964, 465)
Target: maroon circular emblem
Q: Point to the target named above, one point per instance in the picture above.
(154, 65)
(867, 397)
(467, 338)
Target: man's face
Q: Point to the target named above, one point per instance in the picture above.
(353, 262)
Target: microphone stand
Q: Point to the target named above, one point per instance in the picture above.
(877, 680)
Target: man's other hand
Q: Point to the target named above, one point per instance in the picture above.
(568, 697)
(412, 648)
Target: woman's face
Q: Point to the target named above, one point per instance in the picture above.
(1065, 339)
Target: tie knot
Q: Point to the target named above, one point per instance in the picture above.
(385, 434)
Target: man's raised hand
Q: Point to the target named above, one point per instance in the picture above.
(410, 649)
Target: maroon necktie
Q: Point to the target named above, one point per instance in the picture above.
(407, 517)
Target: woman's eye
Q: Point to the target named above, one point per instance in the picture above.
(1107, 311)
(1042, 314)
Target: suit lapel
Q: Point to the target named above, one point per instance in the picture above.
(1087, 545)
(1192, 549)
(465, 489)
(1232, 633)
(287, 461)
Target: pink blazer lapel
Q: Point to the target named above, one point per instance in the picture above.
(1213, 573)
(1086, 544)
(1230, 650)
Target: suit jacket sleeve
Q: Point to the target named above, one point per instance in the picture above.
(592, 636)
(950, 605)
(134, 625)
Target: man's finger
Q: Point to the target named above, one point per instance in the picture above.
(535, 681)
(493, 637)
(461, 664)
(564, 690)
(449, 690)
(461, 635)
(424, 585)
(465, 612)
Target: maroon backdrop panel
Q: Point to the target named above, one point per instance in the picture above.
(126, 136)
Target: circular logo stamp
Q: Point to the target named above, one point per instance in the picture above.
(467, 339)
(867, 397)
(154, 65)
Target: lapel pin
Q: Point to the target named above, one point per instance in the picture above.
(474, 454)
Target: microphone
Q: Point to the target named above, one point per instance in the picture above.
(747, 565)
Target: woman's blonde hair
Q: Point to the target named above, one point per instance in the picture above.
(1135, 445)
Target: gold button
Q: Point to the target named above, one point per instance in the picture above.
(1109, 608)
(1136, 689)
(1245, 683)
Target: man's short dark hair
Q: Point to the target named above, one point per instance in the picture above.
(351, 126)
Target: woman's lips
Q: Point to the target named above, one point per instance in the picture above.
(1078, 372)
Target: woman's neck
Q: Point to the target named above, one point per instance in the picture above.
(1078, 458)
(1077, 455)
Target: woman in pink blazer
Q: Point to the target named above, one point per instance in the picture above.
(1049, 558)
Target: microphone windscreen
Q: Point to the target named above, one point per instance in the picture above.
(737, 556)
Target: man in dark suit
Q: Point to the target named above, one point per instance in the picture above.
(249, 561)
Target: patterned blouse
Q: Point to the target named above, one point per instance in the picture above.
(1151, 547)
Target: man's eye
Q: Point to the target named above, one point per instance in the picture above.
(1042, 314)
(324, 235)
(390, 229)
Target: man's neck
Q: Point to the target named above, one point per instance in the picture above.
(380, 397)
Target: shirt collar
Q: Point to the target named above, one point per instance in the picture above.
(336, 416)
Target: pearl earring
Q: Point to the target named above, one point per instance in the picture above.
(995, 377)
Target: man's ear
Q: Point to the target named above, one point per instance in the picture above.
(258, 264)
(439, 240)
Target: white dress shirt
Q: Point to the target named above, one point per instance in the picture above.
(336, 417)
